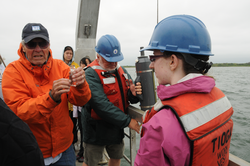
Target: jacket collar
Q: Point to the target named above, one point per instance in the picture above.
(198, 84)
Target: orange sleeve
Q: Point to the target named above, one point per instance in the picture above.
(80, 95)
(30, 110)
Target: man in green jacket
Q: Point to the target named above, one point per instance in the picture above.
(104, 116)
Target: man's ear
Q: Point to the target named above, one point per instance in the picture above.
(97, 57)
(23, 48)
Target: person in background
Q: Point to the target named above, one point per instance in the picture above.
(2, 68)
(17, 142)
(191, 122)
(37, 89)
(104, 116)
(85, 62)
(68, 58)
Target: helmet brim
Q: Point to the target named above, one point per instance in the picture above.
(151, 48)
(113, 59)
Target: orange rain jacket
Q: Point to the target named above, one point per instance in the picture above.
(26, 91)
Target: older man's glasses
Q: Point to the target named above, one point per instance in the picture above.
(152, 58)
(32, 45)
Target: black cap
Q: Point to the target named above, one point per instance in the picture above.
(34, 30)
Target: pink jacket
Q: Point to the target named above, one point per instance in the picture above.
(164, 142)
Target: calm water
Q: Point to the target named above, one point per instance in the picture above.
(235, 83)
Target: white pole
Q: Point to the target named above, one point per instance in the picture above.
(157, 11)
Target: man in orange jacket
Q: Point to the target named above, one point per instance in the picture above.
(37, 89)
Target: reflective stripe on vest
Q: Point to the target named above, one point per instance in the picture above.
(201, 112)
(205, 114)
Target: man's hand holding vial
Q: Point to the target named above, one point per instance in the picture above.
(76, 76)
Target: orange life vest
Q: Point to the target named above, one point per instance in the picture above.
(111, 88)
(206, 120)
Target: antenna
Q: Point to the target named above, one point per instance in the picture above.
(157, 10)
(1, 59)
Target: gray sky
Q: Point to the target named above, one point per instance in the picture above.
(131, 21)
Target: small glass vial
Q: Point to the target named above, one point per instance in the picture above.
(72, 70)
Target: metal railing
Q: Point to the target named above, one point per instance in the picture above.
(136, 114)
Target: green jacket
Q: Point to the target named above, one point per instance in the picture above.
(110, 129)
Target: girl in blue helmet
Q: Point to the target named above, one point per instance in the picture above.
(191, 122)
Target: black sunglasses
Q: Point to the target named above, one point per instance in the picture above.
(152, 58)
(32, 45)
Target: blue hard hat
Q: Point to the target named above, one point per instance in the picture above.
(181, 33)
(109, 48)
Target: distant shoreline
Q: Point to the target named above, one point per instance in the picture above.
(231, 64)
(220, 65)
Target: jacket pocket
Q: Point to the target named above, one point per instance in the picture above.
(110, 89)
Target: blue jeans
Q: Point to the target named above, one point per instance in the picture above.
(68, 158)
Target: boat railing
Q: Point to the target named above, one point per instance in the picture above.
(137, 114)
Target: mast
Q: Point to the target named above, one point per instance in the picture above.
(86, 28)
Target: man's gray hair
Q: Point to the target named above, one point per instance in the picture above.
(23, 43)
